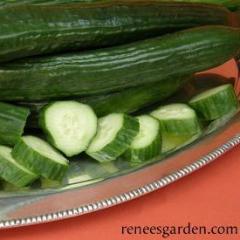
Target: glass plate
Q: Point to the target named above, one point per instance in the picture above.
(90, 186)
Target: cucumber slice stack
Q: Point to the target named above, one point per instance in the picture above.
(215, 103)
(178, 123)
(69, 126)
(41, 158)
(147, 144)
(114, 135)
(13, 172)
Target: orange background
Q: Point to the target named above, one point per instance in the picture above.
(208, 197)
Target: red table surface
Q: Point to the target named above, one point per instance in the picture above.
(207, 197)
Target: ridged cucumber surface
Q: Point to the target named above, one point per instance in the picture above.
(12, 122)
(111, 69)
(147, 144)
(13, 172)
(41, 158)
(115, 133)
(215, 102)
(29, 30)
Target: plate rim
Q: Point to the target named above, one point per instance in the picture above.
(126, 196)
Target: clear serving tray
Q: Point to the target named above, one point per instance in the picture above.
(90, 186)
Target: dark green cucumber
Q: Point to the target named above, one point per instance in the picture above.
(137, 98)
(12, 122)
(29, 30)
(111, 69)
(230, 4)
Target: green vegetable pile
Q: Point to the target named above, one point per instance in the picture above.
(74, 76)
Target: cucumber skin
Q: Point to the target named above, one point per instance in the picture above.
(137, 98)
(121, 143)
(30, 30)
(226, 103)
(139, 155)
(32, 160)
(148, 61)
(8, 170)
(12, 122)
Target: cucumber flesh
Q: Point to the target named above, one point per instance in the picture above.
(177, 119)
(215, 103)
(40, 157)
(114, 135)
(13, 172)
(69, 125)
(147, 144)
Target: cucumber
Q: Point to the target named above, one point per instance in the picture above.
(147, 144)
(69, 126)
(13, 172)
(138, 98)
(111, 69)
(230, 4)
(29, 30)
(115, 133)
(215, 102)
(12, 122)
(38, 156)
(177, 119)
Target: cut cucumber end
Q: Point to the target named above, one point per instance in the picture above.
(40, 157)
(44, 149)
(215, 103)
(108, 127)
(147, 144)
(69, 125)
(13, 172)
(177, 119)
(114, 135)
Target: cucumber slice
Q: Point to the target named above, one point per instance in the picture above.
(41, 158)
(13, 172)
(114, 135)
(177, 119)
(69, 126)
(147, 144)
(216, 102)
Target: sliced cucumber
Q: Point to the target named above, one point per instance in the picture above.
(114, 135)
(177, 119)
(216, 102)
(69, 125)
(147, 144)
(13, 172)
(41, 158)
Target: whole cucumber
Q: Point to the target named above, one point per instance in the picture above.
(29, 30)
(230, 4)
(125, 101)
(112, 69)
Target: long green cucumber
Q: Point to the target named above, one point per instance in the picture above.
(112, 69)
(29, 30)
(12, 122)
(137, 98)
(230, 4)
